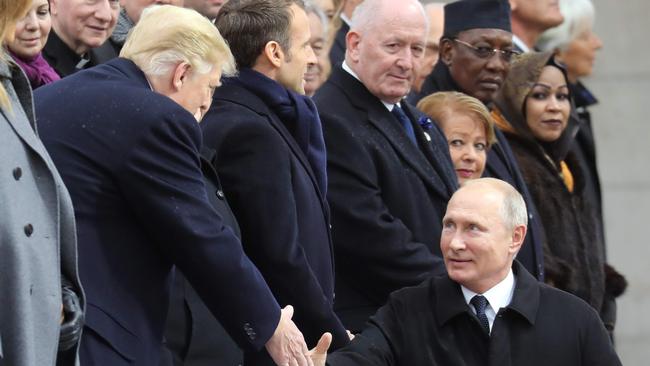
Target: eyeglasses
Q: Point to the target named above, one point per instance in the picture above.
(487, 52)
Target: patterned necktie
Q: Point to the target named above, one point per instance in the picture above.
(405, 121)
(480, 303)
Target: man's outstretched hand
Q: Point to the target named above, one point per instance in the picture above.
(319, 353)
(287, 345)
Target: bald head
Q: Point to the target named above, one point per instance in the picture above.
(513, 206)
(373, 13)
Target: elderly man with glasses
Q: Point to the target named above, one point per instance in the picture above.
(475, 52)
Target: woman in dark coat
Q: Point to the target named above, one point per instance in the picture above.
(534, 110)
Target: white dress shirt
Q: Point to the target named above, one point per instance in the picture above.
(498, 297)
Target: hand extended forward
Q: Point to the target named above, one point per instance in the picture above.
(287, 346)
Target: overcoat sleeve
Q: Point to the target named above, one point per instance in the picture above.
(161, 177)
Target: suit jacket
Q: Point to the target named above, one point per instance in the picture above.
(130, 158)
(66, 62)
(388, 197)
(37, 234)
(283, 215)
(501, 164)
(432, 325)
(337, 51)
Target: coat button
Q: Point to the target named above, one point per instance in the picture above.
(220, 194)
(29, 230)
(17, 173)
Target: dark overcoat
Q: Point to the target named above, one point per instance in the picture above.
(432, 325)
(282, 213)
(388, 197)
(130, 158)
(337, 51)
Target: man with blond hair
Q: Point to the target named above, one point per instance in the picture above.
(127, 146)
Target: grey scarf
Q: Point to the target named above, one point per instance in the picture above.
(122, 28)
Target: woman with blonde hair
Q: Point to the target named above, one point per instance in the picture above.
(28, 41)
(41, 303)
(468, 127)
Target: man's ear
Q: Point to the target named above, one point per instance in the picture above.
(446, 51)
(513, 5)
(352, 41)
(54, 7)
(518, 236)
(274, 53)
(180, 74)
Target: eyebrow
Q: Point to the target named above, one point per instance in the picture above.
(546, 86)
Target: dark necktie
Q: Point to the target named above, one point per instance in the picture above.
(480, 303)
(405, 121)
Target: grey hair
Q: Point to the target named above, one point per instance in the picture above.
(365, 15)
(513, 207)
(312, 8)
(579, 16)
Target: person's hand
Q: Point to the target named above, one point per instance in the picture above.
(73, 317)
(319, 353)
(287, 346)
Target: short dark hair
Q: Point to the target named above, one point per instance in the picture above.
(248, 25)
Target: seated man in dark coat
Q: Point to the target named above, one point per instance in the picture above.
(488, 310)
(269, 152)
(389, 180)
(80, 30)
(475, 52)
(133, 169)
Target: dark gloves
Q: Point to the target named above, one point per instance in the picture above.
(74, 317)
(615, 283)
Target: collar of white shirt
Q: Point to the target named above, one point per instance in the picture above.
(346, 20)
(498, 296)
(520, 44)
(347, 68)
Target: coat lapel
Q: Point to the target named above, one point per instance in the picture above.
(21, 119)
(243, 96)
(384, 121)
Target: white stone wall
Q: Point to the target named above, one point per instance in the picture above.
(621, 81)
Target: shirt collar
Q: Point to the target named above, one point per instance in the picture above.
(498, 296)
(349, 70)
(346, 20)
(520, 44)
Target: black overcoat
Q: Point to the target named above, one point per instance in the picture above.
(130, 159)
(432, 325)
(283, 216)
(388, 197)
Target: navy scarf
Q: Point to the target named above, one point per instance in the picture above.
(297, 112)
